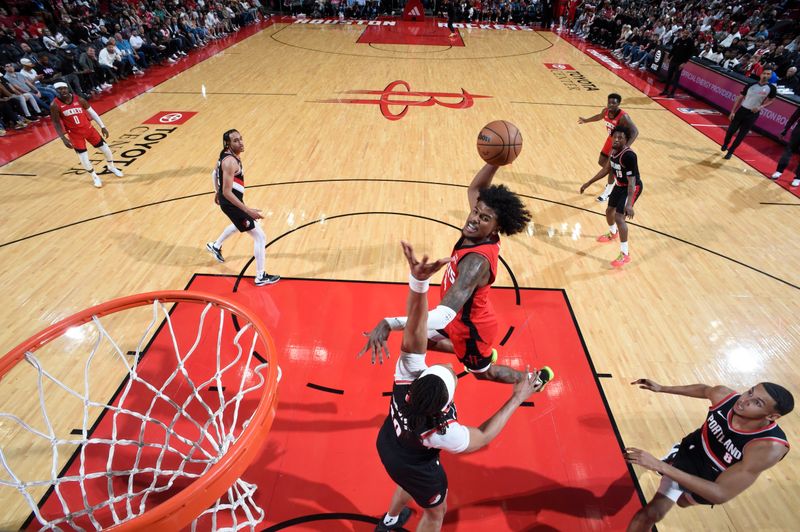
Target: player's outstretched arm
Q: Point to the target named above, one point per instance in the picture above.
(759, 456)
(482, 180)
(700, 391)
(594, 118)
(480, 437)
(377, 338)
(604, 171)
(415, 333)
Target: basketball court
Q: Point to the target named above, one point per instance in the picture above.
(357, 136)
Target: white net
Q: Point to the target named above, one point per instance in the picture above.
(187, 394)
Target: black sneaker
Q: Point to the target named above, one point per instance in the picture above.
(266, 278)
(217, 252)
(723, 148)
(728, 155)
(405, 513)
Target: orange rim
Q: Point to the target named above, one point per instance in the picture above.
(190, 502)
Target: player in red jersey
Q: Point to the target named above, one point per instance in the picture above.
(72, 118)
(613, 116)
(739, 440)
(464, 323)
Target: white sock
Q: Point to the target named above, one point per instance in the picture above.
(84, 157)
(109, 156)
(609, 189)
(623, 247)
(259, 243)
(228, 231)
(389, 520)
(612, 229)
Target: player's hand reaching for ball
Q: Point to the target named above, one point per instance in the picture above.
(581, 120)
(647, 384)
(584, 187)
(376, 342)
(529, 385)
(642, 458)
(104, 131)
(423, 269)
(66, 142)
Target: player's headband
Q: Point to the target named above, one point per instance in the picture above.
(59, 85)
(447, 377)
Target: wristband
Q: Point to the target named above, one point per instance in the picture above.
(416, 285)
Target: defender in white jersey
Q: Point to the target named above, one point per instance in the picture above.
(422, 416)
(739, 440)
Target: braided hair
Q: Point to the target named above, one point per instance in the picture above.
(426, 398)
(226, 141)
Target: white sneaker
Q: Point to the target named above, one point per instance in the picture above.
(114, 170)
(96, 181)
(776, 175)
(796, 183)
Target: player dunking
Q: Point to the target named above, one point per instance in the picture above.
(464, 323)
(72, 118)
(422, 416)
(738, 441)
(613, 116)
(623, 169)
(229, 186)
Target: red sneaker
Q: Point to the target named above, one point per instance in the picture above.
(621, 260)
(608, 237)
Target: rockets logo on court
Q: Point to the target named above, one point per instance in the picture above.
(397, 97)
(174, 118)
(571, 78)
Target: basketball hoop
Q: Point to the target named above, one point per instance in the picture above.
(168, 448)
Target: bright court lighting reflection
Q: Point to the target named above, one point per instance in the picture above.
(743, 360)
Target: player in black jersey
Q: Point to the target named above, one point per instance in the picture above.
(229, 186)
(422, 417)
(623, 166)
(739, 440)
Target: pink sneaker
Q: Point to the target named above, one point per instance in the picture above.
(621, 260)
(608, 237)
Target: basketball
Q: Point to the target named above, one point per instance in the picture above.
(499, 142)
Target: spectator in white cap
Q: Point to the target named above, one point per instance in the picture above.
(34, 78)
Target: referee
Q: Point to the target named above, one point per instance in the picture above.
(748, 104)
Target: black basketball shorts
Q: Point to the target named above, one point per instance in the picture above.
(619, 196)
(242, 221)
(425, 481)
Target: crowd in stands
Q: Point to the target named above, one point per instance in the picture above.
(743, 36)
(522, 12)
(92, 49)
